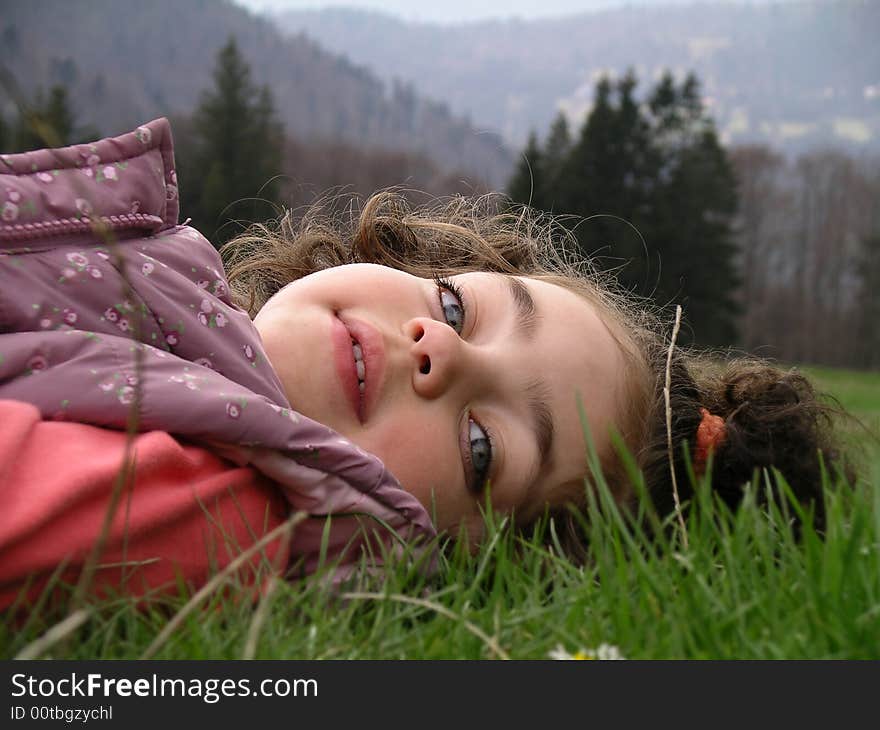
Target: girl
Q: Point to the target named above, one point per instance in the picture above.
(398, 369)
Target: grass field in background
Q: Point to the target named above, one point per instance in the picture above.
(743, 588)
(859, 394)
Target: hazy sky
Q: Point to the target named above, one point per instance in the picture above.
(463, 10)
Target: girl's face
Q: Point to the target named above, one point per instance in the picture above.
(453, 384)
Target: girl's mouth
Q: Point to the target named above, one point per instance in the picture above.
(357, 349)
(359, 365)
(350, 367)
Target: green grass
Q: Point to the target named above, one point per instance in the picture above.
(743, 588)
(859, 394)
(857, 391)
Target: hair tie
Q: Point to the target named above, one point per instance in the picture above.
(710, 435)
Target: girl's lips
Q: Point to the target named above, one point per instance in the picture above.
(343, 358)
(343, 329)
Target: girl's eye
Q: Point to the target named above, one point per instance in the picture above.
(480, 456)
(452, 304)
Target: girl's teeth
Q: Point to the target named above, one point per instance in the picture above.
(359, 364)
(358, 353)
(361, 386)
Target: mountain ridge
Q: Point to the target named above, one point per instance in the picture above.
(792, 75)
(124, 62)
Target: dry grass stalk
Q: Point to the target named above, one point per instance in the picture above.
(284, 530)
(59, 631)
(489, 641)
(666, 391)
(253, 635)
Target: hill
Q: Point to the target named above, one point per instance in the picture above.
(124, 62)
(792, 74)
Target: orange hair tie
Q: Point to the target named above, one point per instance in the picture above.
(710, 435)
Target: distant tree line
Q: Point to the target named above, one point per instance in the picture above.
(779, 258)
(808, 233)
(236, 164)
(44, 121)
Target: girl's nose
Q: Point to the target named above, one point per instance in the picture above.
(435, 355)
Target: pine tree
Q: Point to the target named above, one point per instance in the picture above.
(657, 197)
(59, 117)
(607, 179)
(527, 183)
(237, 153)
(696, 202)
(556, 150)
(48, 123)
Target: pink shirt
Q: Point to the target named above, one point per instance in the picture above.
(186, 513)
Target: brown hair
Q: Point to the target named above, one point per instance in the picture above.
(773, 416)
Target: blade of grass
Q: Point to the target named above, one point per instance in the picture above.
(59, 631)
(489, 641)
(206, 590)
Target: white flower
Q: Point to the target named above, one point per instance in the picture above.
(604, 652)
(561, 654)
(608, 652)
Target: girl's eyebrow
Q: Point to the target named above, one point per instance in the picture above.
(537, 391)
(526, 314)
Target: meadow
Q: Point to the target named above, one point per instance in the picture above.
(742, 586)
